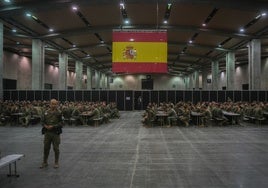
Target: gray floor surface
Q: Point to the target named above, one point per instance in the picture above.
(124, 154)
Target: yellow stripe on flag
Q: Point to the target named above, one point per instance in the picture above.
(154, 52)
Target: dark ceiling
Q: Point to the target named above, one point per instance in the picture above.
(85, 34)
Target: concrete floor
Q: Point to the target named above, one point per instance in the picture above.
(123, 154)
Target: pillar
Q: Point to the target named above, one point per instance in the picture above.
(89, 78)
(38, 64)
(204, 79)
(196, 80)
(105, 82)
(63, 65)
(215, 75)
(97, 80)
(230, 70)
(101, 80)
(78, 75)
(254, 64)
(108, 82)
(1, 60)
(187, 82)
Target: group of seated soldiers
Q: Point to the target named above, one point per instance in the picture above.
(182, 113)
(26, 112)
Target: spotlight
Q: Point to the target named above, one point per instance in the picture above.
(74, 8)
(126, 21)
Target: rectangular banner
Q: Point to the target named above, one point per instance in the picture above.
(140, 51)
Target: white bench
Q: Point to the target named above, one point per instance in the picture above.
(8, 160)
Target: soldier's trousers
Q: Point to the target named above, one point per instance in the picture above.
(54, 139)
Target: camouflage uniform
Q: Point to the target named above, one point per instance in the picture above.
(206, 116)
(25, 118)
(172, 115)
(53, 118)
(184, 117)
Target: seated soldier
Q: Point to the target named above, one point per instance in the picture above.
(93, 114)
(26, 116)
(184, 117)
(206, 115)
(218, 116)
(172, 115)
(149, 116)
(258, 113)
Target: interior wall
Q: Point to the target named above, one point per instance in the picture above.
(19, 68)
(133, 82)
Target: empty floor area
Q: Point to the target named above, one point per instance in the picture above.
(125, 154)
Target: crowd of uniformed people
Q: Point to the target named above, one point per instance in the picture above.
(77, 113)
(207, 113)
(182, 113)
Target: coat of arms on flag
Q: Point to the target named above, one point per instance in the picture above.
(129, 53)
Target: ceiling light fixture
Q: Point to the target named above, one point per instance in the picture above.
(28, 14)
(165, 21)
(51, 30)
(126, 21)
(204, 24)
(122, 5)
(7, 1)
(14, 30)
(74, 8)
(242, 30)
(263, 14)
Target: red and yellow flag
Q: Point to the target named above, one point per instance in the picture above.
(140, 51)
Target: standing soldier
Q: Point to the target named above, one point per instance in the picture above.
(52, 130)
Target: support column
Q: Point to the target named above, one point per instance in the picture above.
(105, 82)
(1, 60)
(254, 64)
(63, 65)
(97, 80)
(108, 81)
(215, 75)
(190, 81)
(204, 79)
(230, 70)
(78, 75)
(187, 82)
(101, 80)
(196, 80)
(89, 78)
(38, 64)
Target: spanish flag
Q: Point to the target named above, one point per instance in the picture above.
(140, 51)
